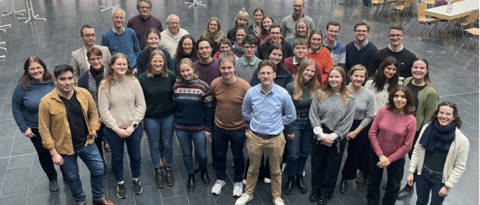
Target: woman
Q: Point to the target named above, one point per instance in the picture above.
(331, 116)
(357, 137)
(440, 155)
(242, 20)
(302, 91)
(267, 21)
(157, 84)
(256, 26)
(237, 47)
(284, 75)
(191, 96)
(391, 137)
(186, 49)
(302, 29)
(425, 97)
(153, 39)
(317, 52)
(122, 107)
(90, 80)
(35, 83)
(213, 30)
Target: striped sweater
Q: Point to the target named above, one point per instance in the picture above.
(193, 106)
(324, 58)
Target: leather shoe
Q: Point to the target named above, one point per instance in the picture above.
(106, 146)
(405, 192)
(289, 185)
(343, 186)
(322, 200)
(300, 183)
(313, 197)
(103, 201)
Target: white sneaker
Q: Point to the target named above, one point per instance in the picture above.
(267, 180)
(244, 182)
(237, 189)
(278, 201)
(283, 166)
(217, 188)
(244, 199)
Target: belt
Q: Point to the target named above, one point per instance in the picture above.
(265, 137)
(304, 115)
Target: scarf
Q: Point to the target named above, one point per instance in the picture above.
(97, 75)
(436, 136)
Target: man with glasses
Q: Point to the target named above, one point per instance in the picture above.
(248, 63)
(172, 35)
(288, 23)
(79, 60)
(144, 21)
(361, 50)
(266, 129)
(275, 37)
(331, 42)
(394, 49)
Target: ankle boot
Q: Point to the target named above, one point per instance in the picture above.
(169, 176)
(301, 184)
(406, 191)
(343, 186)
(289, 185)
(191, 182)
(205, 177)
(159, 178)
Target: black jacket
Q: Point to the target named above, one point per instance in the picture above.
(262, 50)
(232, 34)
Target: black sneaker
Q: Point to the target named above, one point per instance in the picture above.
(137, 187)
(121, 191)
(53, 185)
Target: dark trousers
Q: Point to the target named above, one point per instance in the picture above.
(44, 156)
(237, 140)
(429, 181)
(355, 156)
(410, 153)
(99, 141)
(394, 174)
(326, 163)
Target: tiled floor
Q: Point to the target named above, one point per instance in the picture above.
(453, 67)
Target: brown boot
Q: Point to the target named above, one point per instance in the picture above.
(103, 201)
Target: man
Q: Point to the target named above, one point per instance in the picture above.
(68, 121)
(336, 48)
(275, 37)
(141, 23)
(300, 50)
(122, 40)
(172, 35)
(266, 129)
(361, 50)
(228, 92)
(206, 66)
(79, 60)
(288, 23)
(242, 20)
(248, 63)
(394, 49)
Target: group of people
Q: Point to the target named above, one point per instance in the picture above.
(286, 89)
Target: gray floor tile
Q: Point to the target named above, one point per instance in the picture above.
(16, 181)
(13, 199)
(20, 161)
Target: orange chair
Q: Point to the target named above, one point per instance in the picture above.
(422, 19)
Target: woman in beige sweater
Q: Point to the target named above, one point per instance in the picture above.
(439, 156)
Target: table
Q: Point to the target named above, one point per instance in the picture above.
(471, 3)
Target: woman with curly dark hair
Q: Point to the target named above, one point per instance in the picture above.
(186, 49)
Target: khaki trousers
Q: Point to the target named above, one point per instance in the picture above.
(256, 146)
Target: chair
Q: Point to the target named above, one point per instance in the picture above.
(422, 19)
(472, 17)
(402, 6)
(430, 3)
(377, 3)
(474, 32)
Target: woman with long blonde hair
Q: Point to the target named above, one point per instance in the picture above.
(302, 29)
(214, 32)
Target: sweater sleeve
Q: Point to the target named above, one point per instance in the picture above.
(327, 63)
(136, 48)
(347, 121)
(407, 142)
(369, 113)
(207, 100)
(283, 26)
(372, 134)
(460, 161)
(17, 108)
(254, 81)
(416, 150)
(313, 113)
(140, 105)
(373, 64)
(343, 57)
(104, 107)
(290, 90)
(430, 107)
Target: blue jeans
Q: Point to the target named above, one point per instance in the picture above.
(429, 180)
(133, 147)
(185, 137)
(237, 140)
(299, 148)
(160, 130)
(91, 157)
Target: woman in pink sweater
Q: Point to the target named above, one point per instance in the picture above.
(391, 137)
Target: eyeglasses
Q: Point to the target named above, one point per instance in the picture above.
(395, 35)
(145, 7)
(249, 47)
(361, 31)
(275, 33)
(332, 31)
(89, 35)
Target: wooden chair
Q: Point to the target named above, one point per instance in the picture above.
(474, 32)
(402, 6)
(472, 17)
(421, 7)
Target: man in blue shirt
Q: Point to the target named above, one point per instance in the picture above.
(262, 106)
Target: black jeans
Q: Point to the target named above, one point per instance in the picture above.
(99, 141)
(237, 140)
(394, 174)
(44, 156)
(355, 155)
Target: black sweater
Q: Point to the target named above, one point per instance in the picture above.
(405, 57)
(158, 94)
(355, 56)
(262, 50)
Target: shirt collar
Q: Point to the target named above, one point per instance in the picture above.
(318, 51)
(293, 17)
(271, 91)
(362, 46)
(247, 63)
(295, 61)
(115, 31)
(401, 49)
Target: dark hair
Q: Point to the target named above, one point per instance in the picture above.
(333, 23)
(179, 54)
(61, 69)
(362, 23)
(95, 51)
(25, 78)
(150, 31)
(313, 32)
(140, 1)
(264, 32)
(85, 26)
(458, 120)
(408, 109)
(396, 27)
(245, 29)
(257, 10)
(274, 25)
(267, 63)
(281, 66)
(205, 39)
(379, 78)
(250, 39)
(225, 41)
(426, 78)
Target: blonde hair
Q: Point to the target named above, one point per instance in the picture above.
(242, 15)
(357, 68)
(217, 35)
(164, 71)
(109, 79)
(300, 81)
(301, 20)
(327, 90)
(189, 63)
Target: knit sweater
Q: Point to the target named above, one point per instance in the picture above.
(193, 103)
(454, 164)
(287, 49)
(245, 71)
(427, 104)
(141, 26)
(169, 42)
(25, 103)
(122, 105)
(208, 72)
(380, 96)
(125, 43)
(288, 24)
(294, 68)
(323, 58)
(144, 58)
(405, 57)
(364, 106)
(392, 141)
(158, 94)
(337, 51)
(355, 56)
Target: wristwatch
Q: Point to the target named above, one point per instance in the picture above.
(380, 156)
(135, 125)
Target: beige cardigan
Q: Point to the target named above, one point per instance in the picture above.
(454, 164)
